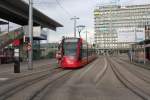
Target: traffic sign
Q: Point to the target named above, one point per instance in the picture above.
(29, 47)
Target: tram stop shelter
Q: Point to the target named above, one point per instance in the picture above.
(17, 11)
(141, 51)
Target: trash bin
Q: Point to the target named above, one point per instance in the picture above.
(16, 67)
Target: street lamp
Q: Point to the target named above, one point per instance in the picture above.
(80, 28)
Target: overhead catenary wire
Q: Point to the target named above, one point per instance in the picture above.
(68, 13)
(46, 3)
(57, 2)
(54, 3)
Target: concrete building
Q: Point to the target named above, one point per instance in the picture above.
(110, 18)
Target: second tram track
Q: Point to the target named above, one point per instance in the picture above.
(136, 90)
(138, 74)
(102, 72)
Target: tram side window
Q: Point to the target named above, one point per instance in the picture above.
(81, 54)
(89, 52)
(84, 53)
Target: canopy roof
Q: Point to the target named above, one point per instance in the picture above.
(3, 23)
(17, 11)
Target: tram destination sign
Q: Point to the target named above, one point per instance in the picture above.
(71, 40)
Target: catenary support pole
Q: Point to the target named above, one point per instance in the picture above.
(75, 21)
(30, 65)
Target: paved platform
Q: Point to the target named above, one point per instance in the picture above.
(126, 58)
(6, 69)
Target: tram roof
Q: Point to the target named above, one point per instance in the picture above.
(17, 11)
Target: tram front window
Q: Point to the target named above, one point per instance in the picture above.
(70, 48)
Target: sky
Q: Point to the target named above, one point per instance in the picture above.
(63, 10)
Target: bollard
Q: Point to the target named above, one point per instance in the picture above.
(17, 66)
(16, 61)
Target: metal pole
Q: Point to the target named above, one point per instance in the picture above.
(86, 35)
(8, 27)
(144, 53)
(75, 27)
(75, 21)
(110, 30)
(30, 65)
(131, 54)
(87, 44)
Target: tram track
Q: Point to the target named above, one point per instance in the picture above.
(140, 75)
(102, 72)
(28, 74)
(17, 88)
(69, 79)
(104, 78)
(89, 67)
(17, 85)
(92, 69)
(41, 93)
(144, 95)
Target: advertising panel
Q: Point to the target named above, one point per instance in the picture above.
(36, 31)
(131, 34)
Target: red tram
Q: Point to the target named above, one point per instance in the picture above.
(75, 53)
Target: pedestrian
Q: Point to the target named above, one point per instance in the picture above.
(130, 55)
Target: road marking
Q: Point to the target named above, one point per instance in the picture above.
(3, 79)
(101, 72)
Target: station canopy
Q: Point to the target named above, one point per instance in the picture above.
(17, 11)
(3, 23)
